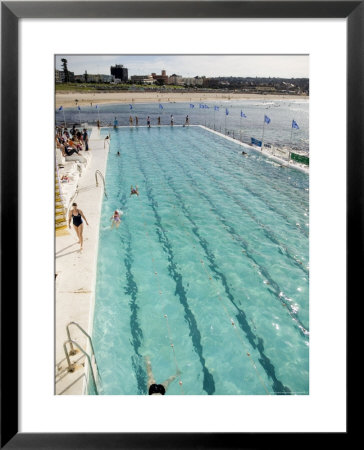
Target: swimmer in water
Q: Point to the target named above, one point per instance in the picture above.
(116, 219)
(244, 153)
(118, 153)
(152, 386)
(134, 191)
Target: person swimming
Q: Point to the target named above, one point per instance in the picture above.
(154, 388)
(134, 191)
(118, 153)
(244, 153)
(116, 219)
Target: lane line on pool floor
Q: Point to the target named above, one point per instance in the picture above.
(164, 315)
(208, 383)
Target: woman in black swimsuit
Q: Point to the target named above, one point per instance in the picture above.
(77, 215)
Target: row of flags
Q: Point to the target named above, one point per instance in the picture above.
(242, 114)
(267, 119)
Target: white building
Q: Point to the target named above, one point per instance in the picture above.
(192, 81)
(107, 78)
(175, 79)
(144, 79)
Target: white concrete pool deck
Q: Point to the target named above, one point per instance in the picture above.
(281, 161)
(76, 271)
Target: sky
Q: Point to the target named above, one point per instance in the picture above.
(284, 66)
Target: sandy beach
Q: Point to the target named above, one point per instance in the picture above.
(68, 99)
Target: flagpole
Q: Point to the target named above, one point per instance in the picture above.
(225, 121)
(263, 135)
(214, 116)
(240, 126)
(79, 116)
(64, 118)
(290, 145)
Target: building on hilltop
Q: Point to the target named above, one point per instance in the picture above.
(175, 79)
(192, 81)
(94, 78)
(143, 79)
(120, 72)
(162, 78)
(60, 76)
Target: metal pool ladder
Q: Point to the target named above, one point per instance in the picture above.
(97, 172)
(95, 377)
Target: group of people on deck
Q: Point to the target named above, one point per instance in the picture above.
(72, 141)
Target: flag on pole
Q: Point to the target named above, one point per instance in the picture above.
(206, 106)
(226, 111)
(160, 106)
(60, 108)
(266, 119)
(242, 114)
(130, 106)
(216, 108)
(201, 106)
(79, 108)
(295, 125)
(96, 106)
(192, 106)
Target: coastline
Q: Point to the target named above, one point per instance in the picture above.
(68, 99)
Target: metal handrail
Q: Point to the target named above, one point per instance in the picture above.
(89, 339)
(70, 202)
(70, 341)
(97, 172)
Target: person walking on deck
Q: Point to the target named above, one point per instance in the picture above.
(76, 215)
(85, 139)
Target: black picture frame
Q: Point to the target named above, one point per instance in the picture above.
(11, 12)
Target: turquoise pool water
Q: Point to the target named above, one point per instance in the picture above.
(209, 270)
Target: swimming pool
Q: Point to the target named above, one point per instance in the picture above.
(208, 272)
